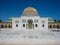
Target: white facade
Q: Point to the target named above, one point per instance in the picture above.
(30, 20)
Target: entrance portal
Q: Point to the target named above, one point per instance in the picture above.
(30, 24)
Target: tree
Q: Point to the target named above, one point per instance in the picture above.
(55, 20)
(58, 20)
(0, 20)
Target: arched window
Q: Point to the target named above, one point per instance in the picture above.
(54, 26)
(36, 25)
(58, 26)
(17, 21)
(16, 25)
(5, 26)
(23, 20)
(43, 25)
(36, 20)
(2, 26)
(50, 26)
(9, 26)
(30, 21)
(23, 25)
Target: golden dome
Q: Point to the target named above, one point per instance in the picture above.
(30, 11)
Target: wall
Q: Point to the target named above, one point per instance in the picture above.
(39, 23)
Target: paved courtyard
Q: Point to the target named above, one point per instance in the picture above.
(28, 37)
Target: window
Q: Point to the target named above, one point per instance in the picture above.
(17, 21)
(35, 20)
(36, 25)
(16, 25)
(43, 25)
(23, 20)
(23, 25)
(43, 21)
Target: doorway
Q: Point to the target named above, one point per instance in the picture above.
(30, 24)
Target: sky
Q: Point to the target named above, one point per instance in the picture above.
(14, 8)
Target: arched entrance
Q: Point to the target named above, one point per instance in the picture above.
(30, 24)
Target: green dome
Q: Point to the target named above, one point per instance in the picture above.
(10, 19)
(50, 19)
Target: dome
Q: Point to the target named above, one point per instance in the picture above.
(30, 11)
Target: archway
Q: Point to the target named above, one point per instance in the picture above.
(58, 26)
(30, 24)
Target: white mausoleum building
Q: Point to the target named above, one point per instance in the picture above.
(30, 20)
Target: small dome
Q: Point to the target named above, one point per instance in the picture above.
(30, 11)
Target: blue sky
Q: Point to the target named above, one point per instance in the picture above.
(14, 8)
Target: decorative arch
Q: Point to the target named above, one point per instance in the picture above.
(30, 24)
(30, 21)
(5, 26)
(9, 26)
(58, 26)
(2, 26)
